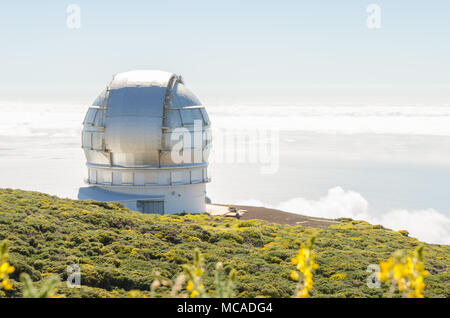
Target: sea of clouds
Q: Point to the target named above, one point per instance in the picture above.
(37, 131)
(34, 119)
(427, 225)
(354, 119)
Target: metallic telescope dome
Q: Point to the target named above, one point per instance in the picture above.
(138, 128)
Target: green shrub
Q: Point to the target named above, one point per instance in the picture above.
(119, 250)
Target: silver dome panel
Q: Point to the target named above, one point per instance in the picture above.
(131, 124)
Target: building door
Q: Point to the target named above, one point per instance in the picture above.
(155, 207)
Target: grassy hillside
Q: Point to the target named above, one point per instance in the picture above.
(119, 250)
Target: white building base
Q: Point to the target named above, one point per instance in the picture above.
(158, 200)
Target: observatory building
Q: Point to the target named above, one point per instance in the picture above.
(147, 139)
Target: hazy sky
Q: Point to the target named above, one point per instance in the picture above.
(228, 50)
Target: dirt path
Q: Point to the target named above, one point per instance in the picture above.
(281, 217)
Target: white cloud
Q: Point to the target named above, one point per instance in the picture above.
(427, 225)
(337, 203)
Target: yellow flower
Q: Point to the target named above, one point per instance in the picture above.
(406, 271)
(199, 272)
(305, 265)
(303, 294)
(135, 294)
(5, 267)
(308, 282)
(195, 272)
(194, 294)
(6, 285)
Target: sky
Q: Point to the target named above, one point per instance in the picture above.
(229, 51)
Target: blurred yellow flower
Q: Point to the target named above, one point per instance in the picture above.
(405, 270)
(6, 284)
(5, 267)
(195, 273)
(194, 294)
(305, 265)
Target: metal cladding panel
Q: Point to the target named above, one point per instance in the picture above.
(104, 177)
(172, 118)
(182, 157)
(90, 116)
(190, 115)
(168, 142)
(100, 100)
(206, 120)
(86, 139)
(97, 140)
(172, 139)
(150, 158)
(133, 134)
(139, 179)
(116, 178)
(166, 159)
(127, 177)
(92, 176)
(151, 177)
(99, 120)
(198, 148)
(133, 125)
(136, 101)
(196, 175)
(163, 178)
(182, 97)
(206, 152)
(97, 157)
